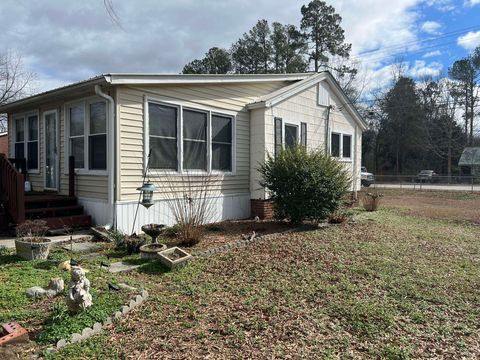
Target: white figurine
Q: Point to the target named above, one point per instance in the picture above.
(78, 297)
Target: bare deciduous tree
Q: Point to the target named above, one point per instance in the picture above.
(14, 81)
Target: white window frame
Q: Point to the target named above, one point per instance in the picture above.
(26, 129)
(340, 155)
(180, 106)
(86, 134)
(285, 124)
(57, 143)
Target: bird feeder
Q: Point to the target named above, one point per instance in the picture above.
(147, 190)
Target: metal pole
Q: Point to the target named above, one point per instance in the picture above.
(140, 195)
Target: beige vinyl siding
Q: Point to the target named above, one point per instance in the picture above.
(86, 186)
(304, 107)
(228, 98)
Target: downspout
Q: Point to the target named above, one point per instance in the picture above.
(327, 130)
(110, 155)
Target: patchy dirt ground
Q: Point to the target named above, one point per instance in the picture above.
(392, 286)
(446, 205)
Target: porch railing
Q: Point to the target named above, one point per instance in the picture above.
(12, 187)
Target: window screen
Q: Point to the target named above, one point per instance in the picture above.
(77, 130)
(32, 143)
(303, 134)
(97, 139)
(194, 140)
(291, 135)
(221, 143)
(19, 138)
(335, 145)
(278, 136)
(163, 136)
(347, 146)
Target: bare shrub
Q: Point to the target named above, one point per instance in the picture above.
(32, 229)
(371, 201)
(190, 199)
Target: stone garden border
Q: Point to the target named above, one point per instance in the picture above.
(98, 327)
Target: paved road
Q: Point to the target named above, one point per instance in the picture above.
(447, 187)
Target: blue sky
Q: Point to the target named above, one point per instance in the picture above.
(63, 42)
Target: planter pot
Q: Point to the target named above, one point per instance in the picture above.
(150, 251)
(174, 258)
(32, 249)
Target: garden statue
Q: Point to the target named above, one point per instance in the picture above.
(78, 297)
(54, 287)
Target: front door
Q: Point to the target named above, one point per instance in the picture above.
(51, 150)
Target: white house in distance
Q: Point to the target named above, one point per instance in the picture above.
(220, 125)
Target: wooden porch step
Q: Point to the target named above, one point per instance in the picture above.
(54, 211)
(73, 222)
(48, 198)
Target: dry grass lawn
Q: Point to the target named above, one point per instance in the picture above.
(404, 282)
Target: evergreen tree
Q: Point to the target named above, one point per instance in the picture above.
(252, 54)
(216, 61)
(322, 26)
(289, 47)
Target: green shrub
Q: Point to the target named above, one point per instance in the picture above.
(304, 185)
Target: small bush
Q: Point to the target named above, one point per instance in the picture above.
(32, 228)
(304, 185)
(118, 238)
(171, 231)
(4, 250)
(371, 201)
(339, 216)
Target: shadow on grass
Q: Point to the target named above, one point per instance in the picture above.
(46, 265)
(153, 268)
(10, 259)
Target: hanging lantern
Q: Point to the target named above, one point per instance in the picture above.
(147, 194)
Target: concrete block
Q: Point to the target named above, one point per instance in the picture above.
(76, 337)
(117, 315)
(61, 343)
(107, 321)
(145, 294)
(132, 304)
(97, 328)
(125, 309)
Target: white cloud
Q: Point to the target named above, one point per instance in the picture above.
(473, 2)
(470, 40)
(432, 54)
(64, 43)
(431, 27)
(421, 69)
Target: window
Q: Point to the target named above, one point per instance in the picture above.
(19, 138)
(26, 140)
(278, 136)
(205, 144)
(87, 134)
(303, 134)
(194, 140)
(77, 131)
(97, 138)
(291, 135)
(347, 146)
(163, 136)
(32, 143)
(221, 143)
(341, 145)
(335, 145)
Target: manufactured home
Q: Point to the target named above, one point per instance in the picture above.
(85, 148)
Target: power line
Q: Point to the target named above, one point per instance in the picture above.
(416, 42)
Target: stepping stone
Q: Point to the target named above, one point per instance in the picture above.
(81, 246)
(122, 266)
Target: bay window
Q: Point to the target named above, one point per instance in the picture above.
(204, 144)
(87, 134)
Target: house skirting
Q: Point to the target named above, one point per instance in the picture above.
(97, 208)
(224, 207)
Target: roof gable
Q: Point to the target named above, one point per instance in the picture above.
(288, 91)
